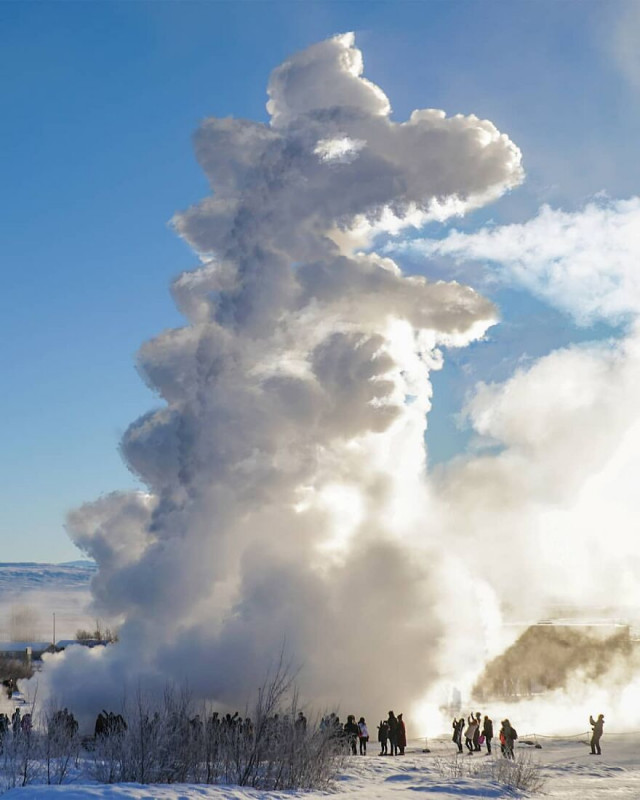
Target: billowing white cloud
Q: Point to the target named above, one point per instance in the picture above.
(286, 473)
(586, 263)
(276, 189)
(325, 76)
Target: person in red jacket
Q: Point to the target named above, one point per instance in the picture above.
(402, 735)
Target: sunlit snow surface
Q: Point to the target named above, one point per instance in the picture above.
(570, 772)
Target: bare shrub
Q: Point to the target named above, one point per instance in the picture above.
(112, 751)
(59, 743)
(454, 767)
(98, 634)
(20, 762)
(173, 741)
(523, 774)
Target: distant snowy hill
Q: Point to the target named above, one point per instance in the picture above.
(17, 577)
(31, 593)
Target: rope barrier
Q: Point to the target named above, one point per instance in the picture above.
(546, 736)
(582, 736)
(587, 734)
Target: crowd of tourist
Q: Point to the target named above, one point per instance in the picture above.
(215, 726)
(473, 732)
(18, 725)
(478, 731)
(392, 733)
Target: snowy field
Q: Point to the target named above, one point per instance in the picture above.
(568, 770)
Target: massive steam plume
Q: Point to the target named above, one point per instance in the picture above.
(287, 494)
(547, 506)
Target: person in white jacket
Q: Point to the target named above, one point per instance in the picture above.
(363, 736)
(472, 727)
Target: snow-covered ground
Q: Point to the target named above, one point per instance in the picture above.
(569, 771)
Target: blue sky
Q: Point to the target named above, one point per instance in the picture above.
(100, 101)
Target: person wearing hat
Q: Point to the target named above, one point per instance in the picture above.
(597, 726)
(508, 736)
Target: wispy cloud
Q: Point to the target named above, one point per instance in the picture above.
(585, 262)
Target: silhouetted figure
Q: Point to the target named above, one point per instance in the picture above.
(71, 723)
(392, 722)
(351, 732)
(458, 726)
(26, 724)
(4, 727)
(402, 735)
(300, 724)
(383, 736)
(487, 732)
(62, 724)
(197, 729)
(15, 722)
(363, 736)
(508, 736)
(107, 724)
(597, 726)
(101, 725)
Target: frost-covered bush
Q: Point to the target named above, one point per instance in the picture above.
(175, 741)
(523, 774)
(58, 744)
(41, 752)
(454, 767)
(20, 762)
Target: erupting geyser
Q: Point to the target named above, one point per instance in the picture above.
(287, 494)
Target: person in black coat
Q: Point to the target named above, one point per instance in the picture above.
(383, 735)
(351, 732)
(487, 732)
(15, 722)
(392, 722)
(401, 734)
